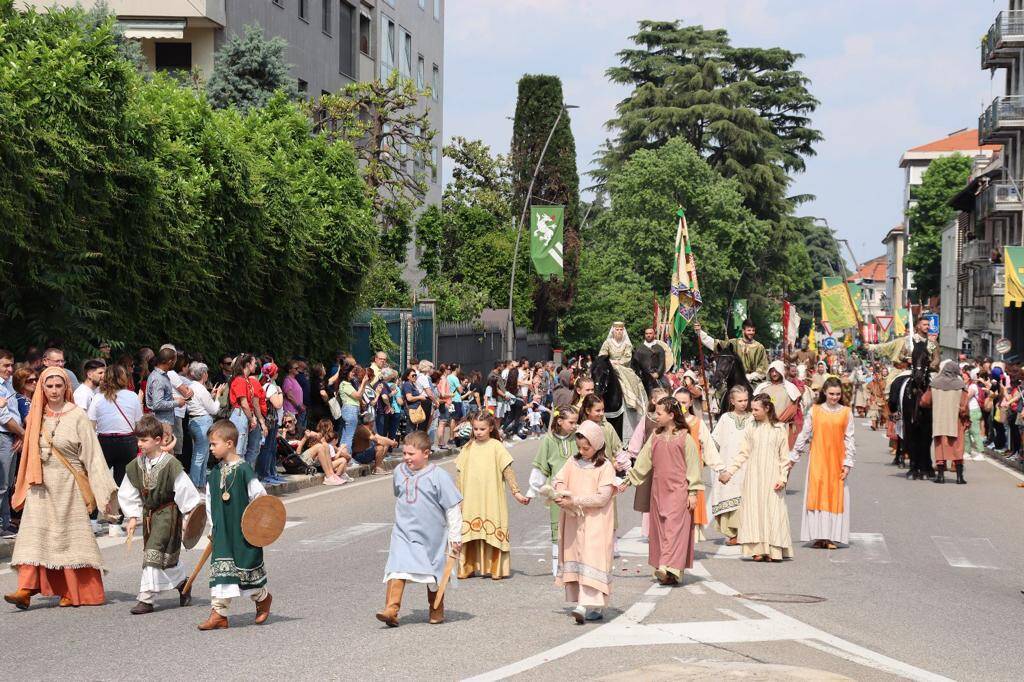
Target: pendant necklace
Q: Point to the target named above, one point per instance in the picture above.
(226, 494)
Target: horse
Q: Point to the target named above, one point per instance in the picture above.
(607, 386)
(917, 420)
(728, 372)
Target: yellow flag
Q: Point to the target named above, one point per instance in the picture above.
(812, 344)
(835, 306)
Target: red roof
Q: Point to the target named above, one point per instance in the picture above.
(875, 270)
(963, 141)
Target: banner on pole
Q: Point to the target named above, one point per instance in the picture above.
(684, 298)
(812, 343)
(546, 239)
(869, 333)
(739, 314)
(790, 324)
(835, 306)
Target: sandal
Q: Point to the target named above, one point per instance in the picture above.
(830, 545)
(758, 557)
(732, 542)
(818, 544)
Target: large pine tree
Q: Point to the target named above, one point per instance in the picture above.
(540, 99)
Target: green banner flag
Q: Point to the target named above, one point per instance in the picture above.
(546, 236)
(739, 313)
(835, 307)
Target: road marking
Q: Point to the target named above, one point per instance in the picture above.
(695, 589)
(657, 591)
(632, 544)
(999, 465)
(720, 588)
(727, 552)
(732, 614)
(967, 552)
(292, 524)
(864, 548)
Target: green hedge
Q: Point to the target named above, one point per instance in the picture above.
(134, 213)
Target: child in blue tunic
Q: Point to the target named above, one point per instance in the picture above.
(428, 518)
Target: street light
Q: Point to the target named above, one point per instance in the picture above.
(510, 332)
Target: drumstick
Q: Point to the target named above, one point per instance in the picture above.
(199, 566)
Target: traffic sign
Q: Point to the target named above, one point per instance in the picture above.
(933, 322)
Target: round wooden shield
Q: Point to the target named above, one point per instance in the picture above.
(193, 526)
(263, 520)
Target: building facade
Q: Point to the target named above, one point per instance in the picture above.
(873, 283)
(895, 249)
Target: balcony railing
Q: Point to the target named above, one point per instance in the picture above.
(999, 198)
(976, 252)
(989, 280)
(1005, 34)
(975, 318)
(1005, 114)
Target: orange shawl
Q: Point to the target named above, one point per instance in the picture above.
(30, 466)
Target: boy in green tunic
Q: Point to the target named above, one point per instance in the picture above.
(555, 450)
(236, 568)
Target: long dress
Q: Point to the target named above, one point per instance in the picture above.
(56, 551)
(828, 436)
(672, 463)
(587, 541)
(763, 519)
(555, 450)
(621, 355)
(480, 478)
(707, 455)
(728, 435)
(950, 420)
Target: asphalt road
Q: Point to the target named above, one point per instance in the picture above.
(929, 588)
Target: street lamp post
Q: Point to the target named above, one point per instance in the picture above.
(510, 331)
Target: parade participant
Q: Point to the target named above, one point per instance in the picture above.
(586, 523)
(729, 433)
(619, 350)
(557, 446)
(696, 393)
(860, 393)
(641, 436)
(894, 427)
(804, 358)
(584, 387)
(428, 524)
(903, 348)
(483, 467)
(671, 461)
(818, 378)
(763, 519)
(157, 491)
(707, 455)
(828, 437)
(750, 352)
(650, 356)
(55, 553)
(236, 568)
(785, 398)
(949, 401)
(593, 410)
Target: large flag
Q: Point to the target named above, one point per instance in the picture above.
(739, 313)
(835, 306)
(902, 321)
(812, 343)
(546, 237)
(684, 301)
(1013, 268)
(790, 324)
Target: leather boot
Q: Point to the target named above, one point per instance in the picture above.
(436, 615)
(263, 609)
(940, 474)
(960, 474)
(184, 598)
(141, 609)
(214, 622)
(389, 616)
(20, 598)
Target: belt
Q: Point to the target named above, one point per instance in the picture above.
(115, 435)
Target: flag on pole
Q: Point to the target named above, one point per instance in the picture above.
(546, 239)
(835, 306)
(812, 344)
(739, 313)
(902, 321)
(684, 299)
(790, 324)
(869, 332)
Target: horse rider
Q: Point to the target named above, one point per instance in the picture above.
(903, 349)
(651, 357)
(751, 353)
(619, 350)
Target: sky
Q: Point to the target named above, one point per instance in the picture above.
(890, 75)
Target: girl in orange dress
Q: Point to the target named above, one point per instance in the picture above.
(828, 437)
(707, 454)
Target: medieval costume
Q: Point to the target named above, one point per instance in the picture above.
(236, 567)
(427, 519)
(948, 399)
(877, 410)
(158, 492)
(829, 438)
(707, 455)
(818, 378)
(562, 395)
(785, 397)
(751, 353)
(672, 462)
(763, 519)
(482, 471)
(642, 498)
(652, 358)
(729, 434)
(586, 531)
(902, 349)
(55, 553)
(555, 450)
(619, 350)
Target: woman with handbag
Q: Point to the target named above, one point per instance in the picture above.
(417, 403)
(62, 477)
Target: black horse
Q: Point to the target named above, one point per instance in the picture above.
(728, 372)
(917, 420)
(606, 385)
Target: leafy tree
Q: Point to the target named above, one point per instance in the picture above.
(478, 178)
(380, 337)
(941, 181)
(248, 70)
(537, 107)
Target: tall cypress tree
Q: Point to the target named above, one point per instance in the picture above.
(540, 99)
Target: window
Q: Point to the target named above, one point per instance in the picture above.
(364, 35)
(437, 10)
(388, 49)
(435, 84)
(421, 78)
(173, 56)
(303, 87)
(433, 161)
(303, 5)
(325, 19)
(406, 65)
(346, 48)
(417, 161)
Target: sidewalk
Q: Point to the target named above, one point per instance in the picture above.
(294, 483)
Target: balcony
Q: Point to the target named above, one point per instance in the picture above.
(975, 318)
(1002, 118)
(989, 280)
(1003, 37)
(976, 252)
(999, 199)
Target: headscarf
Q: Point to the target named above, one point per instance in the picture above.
(791, 390)
(593, 432)
(30, 466)
(618, 345)
(949, 377)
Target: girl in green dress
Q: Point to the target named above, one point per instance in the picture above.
(555, 450)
